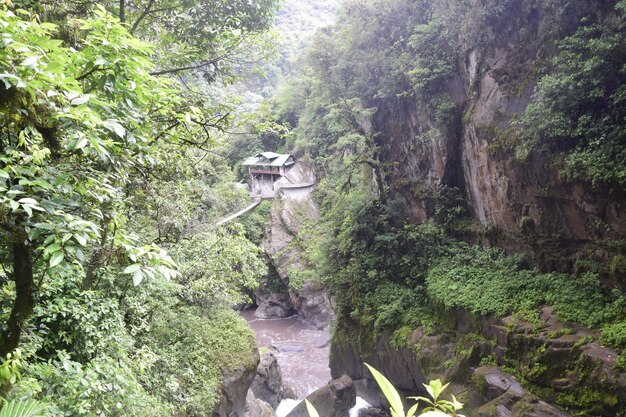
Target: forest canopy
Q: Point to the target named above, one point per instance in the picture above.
(109, 182)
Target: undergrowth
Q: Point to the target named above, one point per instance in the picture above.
(484, 281)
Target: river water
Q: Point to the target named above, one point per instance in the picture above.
(293, 341)
(303, 364)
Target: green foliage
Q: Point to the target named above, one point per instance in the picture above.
(434, 389)
(214, 38)
(435, 407)
(614, 334)
(86, 323)
(375, 268)
(58, 151)
(480, 281)
(484, 281)
(98, 166)
(218, 267)
(185, 197)
(392, 306)
(10, 368)
(23, 408)
(579, 105)
(254, 222)
(103, 386)
(190, 350)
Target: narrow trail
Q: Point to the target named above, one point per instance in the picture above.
(255, 202)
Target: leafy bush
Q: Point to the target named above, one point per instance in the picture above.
(614, 334)
(485, 281)
(217, 267)
(104, 386)
(482, 282)
(190, 351)
(579, 105)
(254, 222)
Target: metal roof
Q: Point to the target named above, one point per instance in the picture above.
(269, 159)
(280, 160)
(268, 155)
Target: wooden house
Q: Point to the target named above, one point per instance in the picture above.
(265, 169)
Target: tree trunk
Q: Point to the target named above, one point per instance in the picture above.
(96, 258)
(24, 298)
(122, 15)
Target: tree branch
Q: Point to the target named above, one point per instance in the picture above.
(141, 16)
(181, 69)
(213, 61)
(88, 73)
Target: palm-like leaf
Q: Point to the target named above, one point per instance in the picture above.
(311, 409)
(397, 408)
(23, 408)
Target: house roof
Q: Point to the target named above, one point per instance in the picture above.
(268, 155)
(269, 159)
(281, 160)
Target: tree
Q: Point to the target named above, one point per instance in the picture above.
(70, 138)
(212, 37)
(578, 109)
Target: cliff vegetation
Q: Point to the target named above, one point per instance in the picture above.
(472, 159)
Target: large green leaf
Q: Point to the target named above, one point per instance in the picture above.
(311, 409)
(23, 408)
(395, 401)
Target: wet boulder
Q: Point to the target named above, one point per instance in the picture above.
(235, 387)
(313, 303)
(507, 398)
(273, 305)
(268, 383)
(324, 338)
(332, 400)
(256, 407)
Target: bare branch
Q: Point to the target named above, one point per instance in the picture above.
(181, 69)
(88, 73)
(142, 16)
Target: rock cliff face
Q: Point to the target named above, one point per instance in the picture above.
(292, 209)
(517, 199)
(333, 400)
(235, 387)
(268, 383)
(517, 202)
(558, 362)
